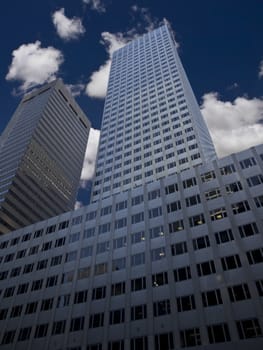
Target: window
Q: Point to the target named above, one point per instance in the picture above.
(28, 268)
(240, 207)
(31, 308)
(164, 341)
(227, 169)
(3, 275)
(116, 345)
(197, 220)
(56, 260)
(259, 285)
(117, 316)
(139, 217)
(179, 248)
(173, 206)
(212, 194)
(8, 337)
(211, 298)
(71, 256)
(77, 324)
(97, 346)
(105, 210)
(161, 308)
(190, 337)
(77, 220)
(46, 246)
(46, 304)
(63, 225)
(138, 259)
(193, 200)
(119, 242)
(158, 253)
(206, 268)
(104, 228)
(16, 311)
(85, 252)
(60, 242)
(201, 242)
(51, 229)
(3, 314)
(22, 288)
(80, 297)
(249, 328)
(182, 273)
(176, 226)
(36, 285)
(118, 264)
(239, 292)
(138, 312)
(171, 188)
(159, 279)
(218, 333)
(52, 281)
(255, 256)
(103, 247)
(233, 187)
(189, 182)
(89, 232)
(137, 200)
(248, 230)
(154, 194)
(206, 177)
(24, 333)
(247, 163)
(101, 269)
(59, 327)
(218, 214)
(120, 223)
(118, 288)
(154, 212)
(231, 262)
(186, 303)
(259, 201)
(67, 277)
(224, 236)
(140, 343)
(138, 284)
(156, 231)
(63, 300)
(41, 330)
(121, 205)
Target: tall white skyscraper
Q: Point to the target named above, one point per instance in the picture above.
(171, 261)
(39, 170)
(152, 126)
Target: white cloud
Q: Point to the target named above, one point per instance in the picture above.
(144, 18)
(96, 5)
(234, 126)
(97, 86)
(33, 65)
(260, 74)
(67, 28)
(75, 89)
(88, 168)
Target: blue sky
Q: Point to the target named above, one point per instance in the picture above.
(220, 44)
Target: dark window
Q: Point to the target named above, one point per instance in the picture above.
(190, 337)
(138, 284)
(117, 316)
(140, 343)
(99, 293)
(249, 328)
(182, 273)
(77, 324)
(138, 312)
(80, 297)
(24, 333)
(186, 303)
(161, 308)
(231, 262)
(218, 333)
(41, 330)
(164, 341)
(239, 292)
(59, 327)
(224, 236)
(118, 288)
(211, 298)
(255, 256)
(96, 320)
(159, 279)
(206, 268)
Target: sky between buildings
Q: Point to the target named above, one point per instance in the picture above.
(220, 45)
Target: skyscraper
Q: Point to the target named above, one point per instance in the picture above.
(174, 262)
(152, 126)
(39, 169)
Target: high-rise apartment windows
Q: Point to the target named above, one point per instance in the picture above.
(240, 207)
(249, 328)
(239, 292)
(224, 236)
(201, 242)
(161, 308)
(197, 220)
(138, 259)
(231, 262)
(99, 293)
(182, 274)
(218, 333)
(247, 163)
(218, 214)
(227, 169)
(179, 248)
(206, 177)
(138, 284)
(117, 316)
(118, 288)
(248, 230)
(211, 298)
(255, 256)
(164, 341)
(193, 200)
(206, 268)
(138, 312)
(190, 337)
(174, 206)
(139, 343)
(176, 226)
(186, 303)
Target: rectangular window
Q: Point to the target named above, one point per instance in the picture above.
(176, 226)
(58, 327)
(137, 200)
(259, 201)
(182, 274)
(117, 316)
(211, 298)
(118, 288)
(139, 217)
(120, 223)
(156, 232)
(201, 242)
(159, 279)
(173, 206)
(31, 308)
(24, 333)
(218, 333)
(179, 248)
(197, 220)
(193, 200)
(118, 264)
(80, 297)
(247, 163)
(249, 328)
(233, 187)
(224, 236)
(231, 262)
(164, 341)
(138, 312)
(158, 254)
(227, 169)
(119, 242)
(139, 343)
(240, 207)
(41, 330)
(161, 308)
(46, 304)
(189, 182)
(116, 345)
(190, 337)
(100, 269)
(171, 188)
(77, 324)
(212, 194)
(186, 303)
(239, 292)
(248, 230)
(86, 252)
(138, 259)
(154, 212)
(259, 285)
(154, 194)
(255, 256)
(206, 268)
(218, 214)
(138, 284)
(103, 247)
(206, 177)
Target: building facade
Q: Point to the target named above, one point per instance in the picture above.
(173, 261)
(152, 126)
(40, 172)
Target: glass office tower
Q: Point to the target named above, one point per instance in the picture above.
(40, 171)
(152, 126)
(175, 262)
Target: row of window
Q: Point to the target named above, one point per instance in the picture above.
(217, 333)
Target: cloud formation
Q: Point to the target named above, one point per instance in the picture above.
(67, 29)
(88, 168)
(97, 86)
(234, 126)
(33, 65)
(75, 89)
(96, 5)
(260, 74)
